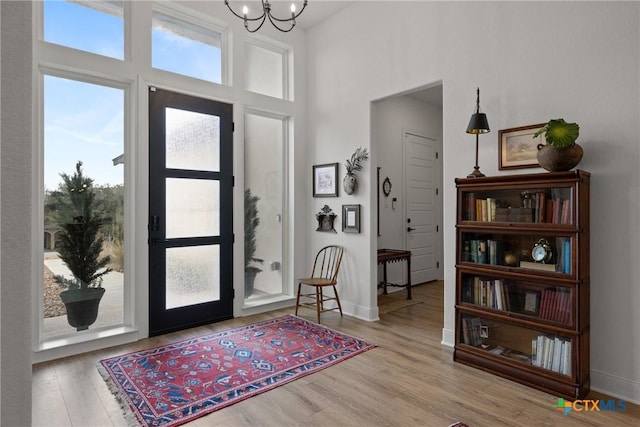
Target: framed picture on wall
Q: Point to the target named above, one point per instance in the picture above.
(325, 180)
(351, 218)
(517, 148)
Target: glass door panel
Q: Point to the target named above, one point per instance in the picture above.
(193, 275)
(193, 140)
(193, 207)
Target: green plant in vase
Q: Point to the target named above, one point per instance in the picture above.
(561, 152)
(251, 222)
(353, 165)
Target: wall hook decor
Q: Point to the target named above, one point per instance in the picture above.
(325, 219)
(386, 187)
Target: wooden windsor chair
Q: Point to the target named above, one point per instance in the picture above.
(324, 274)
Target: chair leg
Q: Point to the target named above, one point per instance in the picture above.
(298, 298)
(318, 300)
(337, 299)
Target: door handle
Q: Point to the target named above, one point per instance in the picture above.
(410, 229)
(154, 224)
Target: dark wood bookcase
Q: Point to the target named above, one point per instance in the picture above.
(524, 319)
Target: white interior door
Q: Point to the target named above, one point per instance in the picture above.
(421, 220)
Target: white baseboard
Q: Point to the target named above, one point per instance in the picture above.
(448, 337)
(620, 388)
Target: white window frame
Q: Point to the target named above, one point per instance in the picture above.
(45, 349)
(287, 258)
(187, 15)
(286, 52)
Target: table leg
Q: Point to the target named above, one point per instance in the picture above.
(409, 277)
(384, 277)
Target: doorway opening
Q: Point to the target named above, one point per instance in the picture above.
(407, 135)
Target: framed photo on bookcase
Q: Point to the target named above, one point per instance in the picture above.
(531, 302)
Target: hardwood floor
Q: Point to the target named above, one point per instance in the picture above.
(409, 379)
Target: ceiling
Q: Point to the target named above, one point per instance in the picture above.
(319, 10)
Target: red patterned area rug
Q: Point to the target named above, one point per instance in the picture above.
(176, 383)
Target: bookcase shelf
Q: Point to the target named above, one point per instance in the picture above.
(520, 318)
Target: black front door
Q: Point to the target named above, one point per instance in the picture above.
(190, 211)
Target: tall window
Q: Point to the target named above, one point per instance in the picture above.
(92, 26)
(264, 202)
(186, 48)
(266, 69)
(84, 196)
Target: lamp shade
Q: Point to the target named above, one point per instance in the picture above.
(478, 124)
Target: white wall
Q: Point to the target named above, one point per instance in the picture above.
(390, 118)
(533, 61)
(15, 247)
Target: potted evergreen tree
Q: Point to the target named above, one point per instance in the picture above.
(79, 247)
(251, 222)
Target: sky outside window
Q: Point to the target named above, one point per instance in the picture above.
(184, 48)
(82, 121)
(96, 27)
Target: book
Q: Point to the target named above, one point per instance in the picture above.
(537, 266)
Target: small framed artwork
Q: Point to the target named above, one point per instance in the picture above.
(325, 180)
(517, 148)
(531, 302)
(351, 218)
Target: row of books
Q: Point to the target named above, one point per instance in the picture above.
(489, 251)
(472, 331)
(543, 208)
(552, 353)
(491, 293)
(481, 251)
(554, 210)
(556, 305)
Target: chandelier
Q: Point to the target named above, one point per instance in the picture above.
(282, 24)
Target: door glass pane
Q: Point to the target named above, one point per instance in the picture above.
(92, 26)
(192, 208)
(185, 48)
(192, 140)
(84, 123)
(263, 201)
(193, 275)
(264, 70)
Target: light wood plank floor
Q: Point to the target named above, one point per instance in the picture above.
(409, 379)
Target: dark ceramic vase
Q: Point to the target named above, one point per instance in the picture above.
(82, 306)
(559, 159)
(350, 184)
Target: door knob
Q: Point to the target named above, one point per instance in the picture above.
(410, 229)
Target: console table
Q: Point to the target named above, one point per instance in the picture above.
(386, 256)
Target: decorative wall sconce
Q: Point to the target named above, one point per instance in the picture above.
(325, 219)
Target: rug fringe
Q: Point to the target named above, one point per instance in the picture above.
(128, 414)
